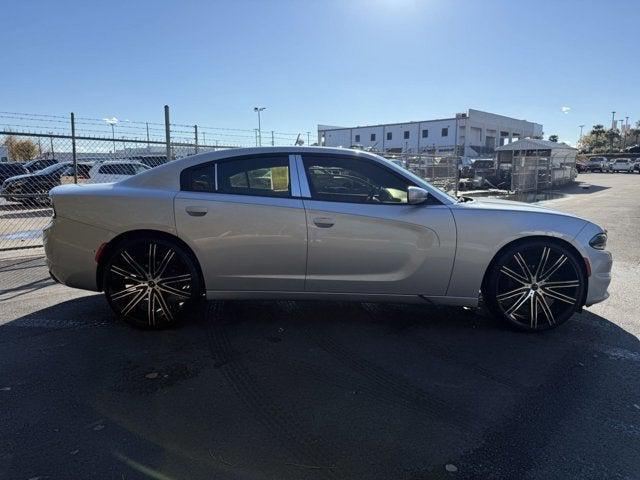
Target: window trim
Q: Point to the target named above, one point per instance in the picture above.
(214, 164)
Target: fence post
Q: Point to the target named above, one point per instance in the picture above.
(167, 131)
(73, 148)
(195, 131)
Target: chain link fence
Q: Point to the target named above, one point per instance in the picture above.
(440, 171)
(536, 173)
(39, 152)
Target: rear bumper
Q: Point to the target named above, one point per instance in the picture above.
(70, 249)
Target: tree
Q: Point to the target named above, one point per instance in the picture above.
(635, 132)
(553, 138)
(612, 134)
(598, 130)
(20, 150)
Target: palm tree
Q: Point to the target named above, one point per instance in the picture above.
(553, 138)
(612, 134)
(597, 130)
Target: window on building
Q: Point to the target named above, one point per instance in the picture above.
(406, 134)
(425, 133)
(373, 137)
(445, 132)
(353, 180)
(357, 138)
(263, 176)
(389, 136)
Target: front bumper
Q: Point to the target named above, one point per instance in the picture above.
(600, 263)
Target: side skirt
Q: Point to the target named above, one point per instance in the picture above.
(352, 297)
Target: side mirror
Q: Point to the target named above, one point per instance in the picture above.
(416, 195)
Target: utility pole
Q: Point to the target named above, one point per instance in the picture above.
(613, 119)
(581, 127)
(308, 139)
(272, 139)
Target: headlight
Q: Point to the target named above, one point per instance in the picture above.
(599, 241)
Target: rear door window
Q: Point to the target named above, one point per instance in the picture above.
(261, 176)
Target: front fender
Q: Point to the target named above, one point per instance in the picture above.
(481, 235)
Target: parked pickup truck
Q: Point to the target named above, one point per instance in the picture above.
(597, 164)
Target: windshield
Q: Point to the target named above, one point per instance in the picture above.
(53, 168)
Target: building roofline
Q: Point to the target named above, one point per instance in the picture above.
(386, 124)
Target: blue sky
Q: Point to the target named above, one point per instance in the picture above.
(334, 62)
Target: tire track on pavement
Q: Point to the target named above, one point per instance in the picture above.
(292, 436)
(392, 387)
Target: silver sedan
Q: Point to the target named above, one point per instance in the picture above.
(317, 223)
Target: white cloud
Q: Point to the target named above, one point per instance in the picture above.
(565, 110)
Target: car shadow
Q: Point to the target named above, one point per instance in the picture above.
(297, 390)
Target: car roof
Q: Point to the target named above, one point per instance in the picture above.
(167, 175)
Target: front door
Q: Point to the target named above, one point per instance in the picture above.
(365, 238)
(240, 218)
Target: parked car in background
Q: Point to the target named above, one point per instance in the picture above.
(636, 165)
(622, 165)
(34, 187)
(317, 223)
(114, 171)
(11, 169)
(35, 165)
(597, 164)
(149, 160)
(581, 166)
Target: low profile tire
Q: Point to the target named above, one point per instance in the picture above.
(151, 282)
(535, 285)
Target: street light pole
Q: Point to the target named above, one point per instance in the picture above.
(113, 137)
(258, 110)
(613, 119)
(112, 121)
(581, 127)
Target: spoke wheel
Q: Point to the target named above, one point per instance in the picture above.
(150, 283)
(536, 285)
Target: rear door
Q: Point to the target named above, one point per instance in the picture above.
(245, 221)
(363, 235)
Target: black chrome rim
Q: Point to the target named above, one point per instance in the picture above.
(149, 282)
(538, 287)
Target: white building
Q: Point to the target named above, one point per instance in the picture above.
(478, 133)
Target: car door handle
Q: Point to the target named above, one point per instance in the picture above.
(196, 211)
(324, 222)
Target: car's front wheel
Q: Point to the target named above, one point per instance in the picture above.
(151, 282)
(535, 285)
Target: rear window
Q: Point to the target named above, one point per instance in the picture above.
(118, 169)
(12, 168)
(622, 160)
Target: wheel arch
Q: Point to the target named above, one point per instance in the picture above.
(557, 241)
(110, 247)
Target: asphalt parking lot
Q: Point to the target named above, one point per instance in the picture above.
(297, 390)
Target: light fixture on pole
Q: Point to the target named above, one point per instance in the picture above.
(581, 127)
(258, 110)
(112, 121)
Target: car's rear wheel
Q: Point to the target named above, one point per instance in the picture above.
(151, 282)
(535, 285)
